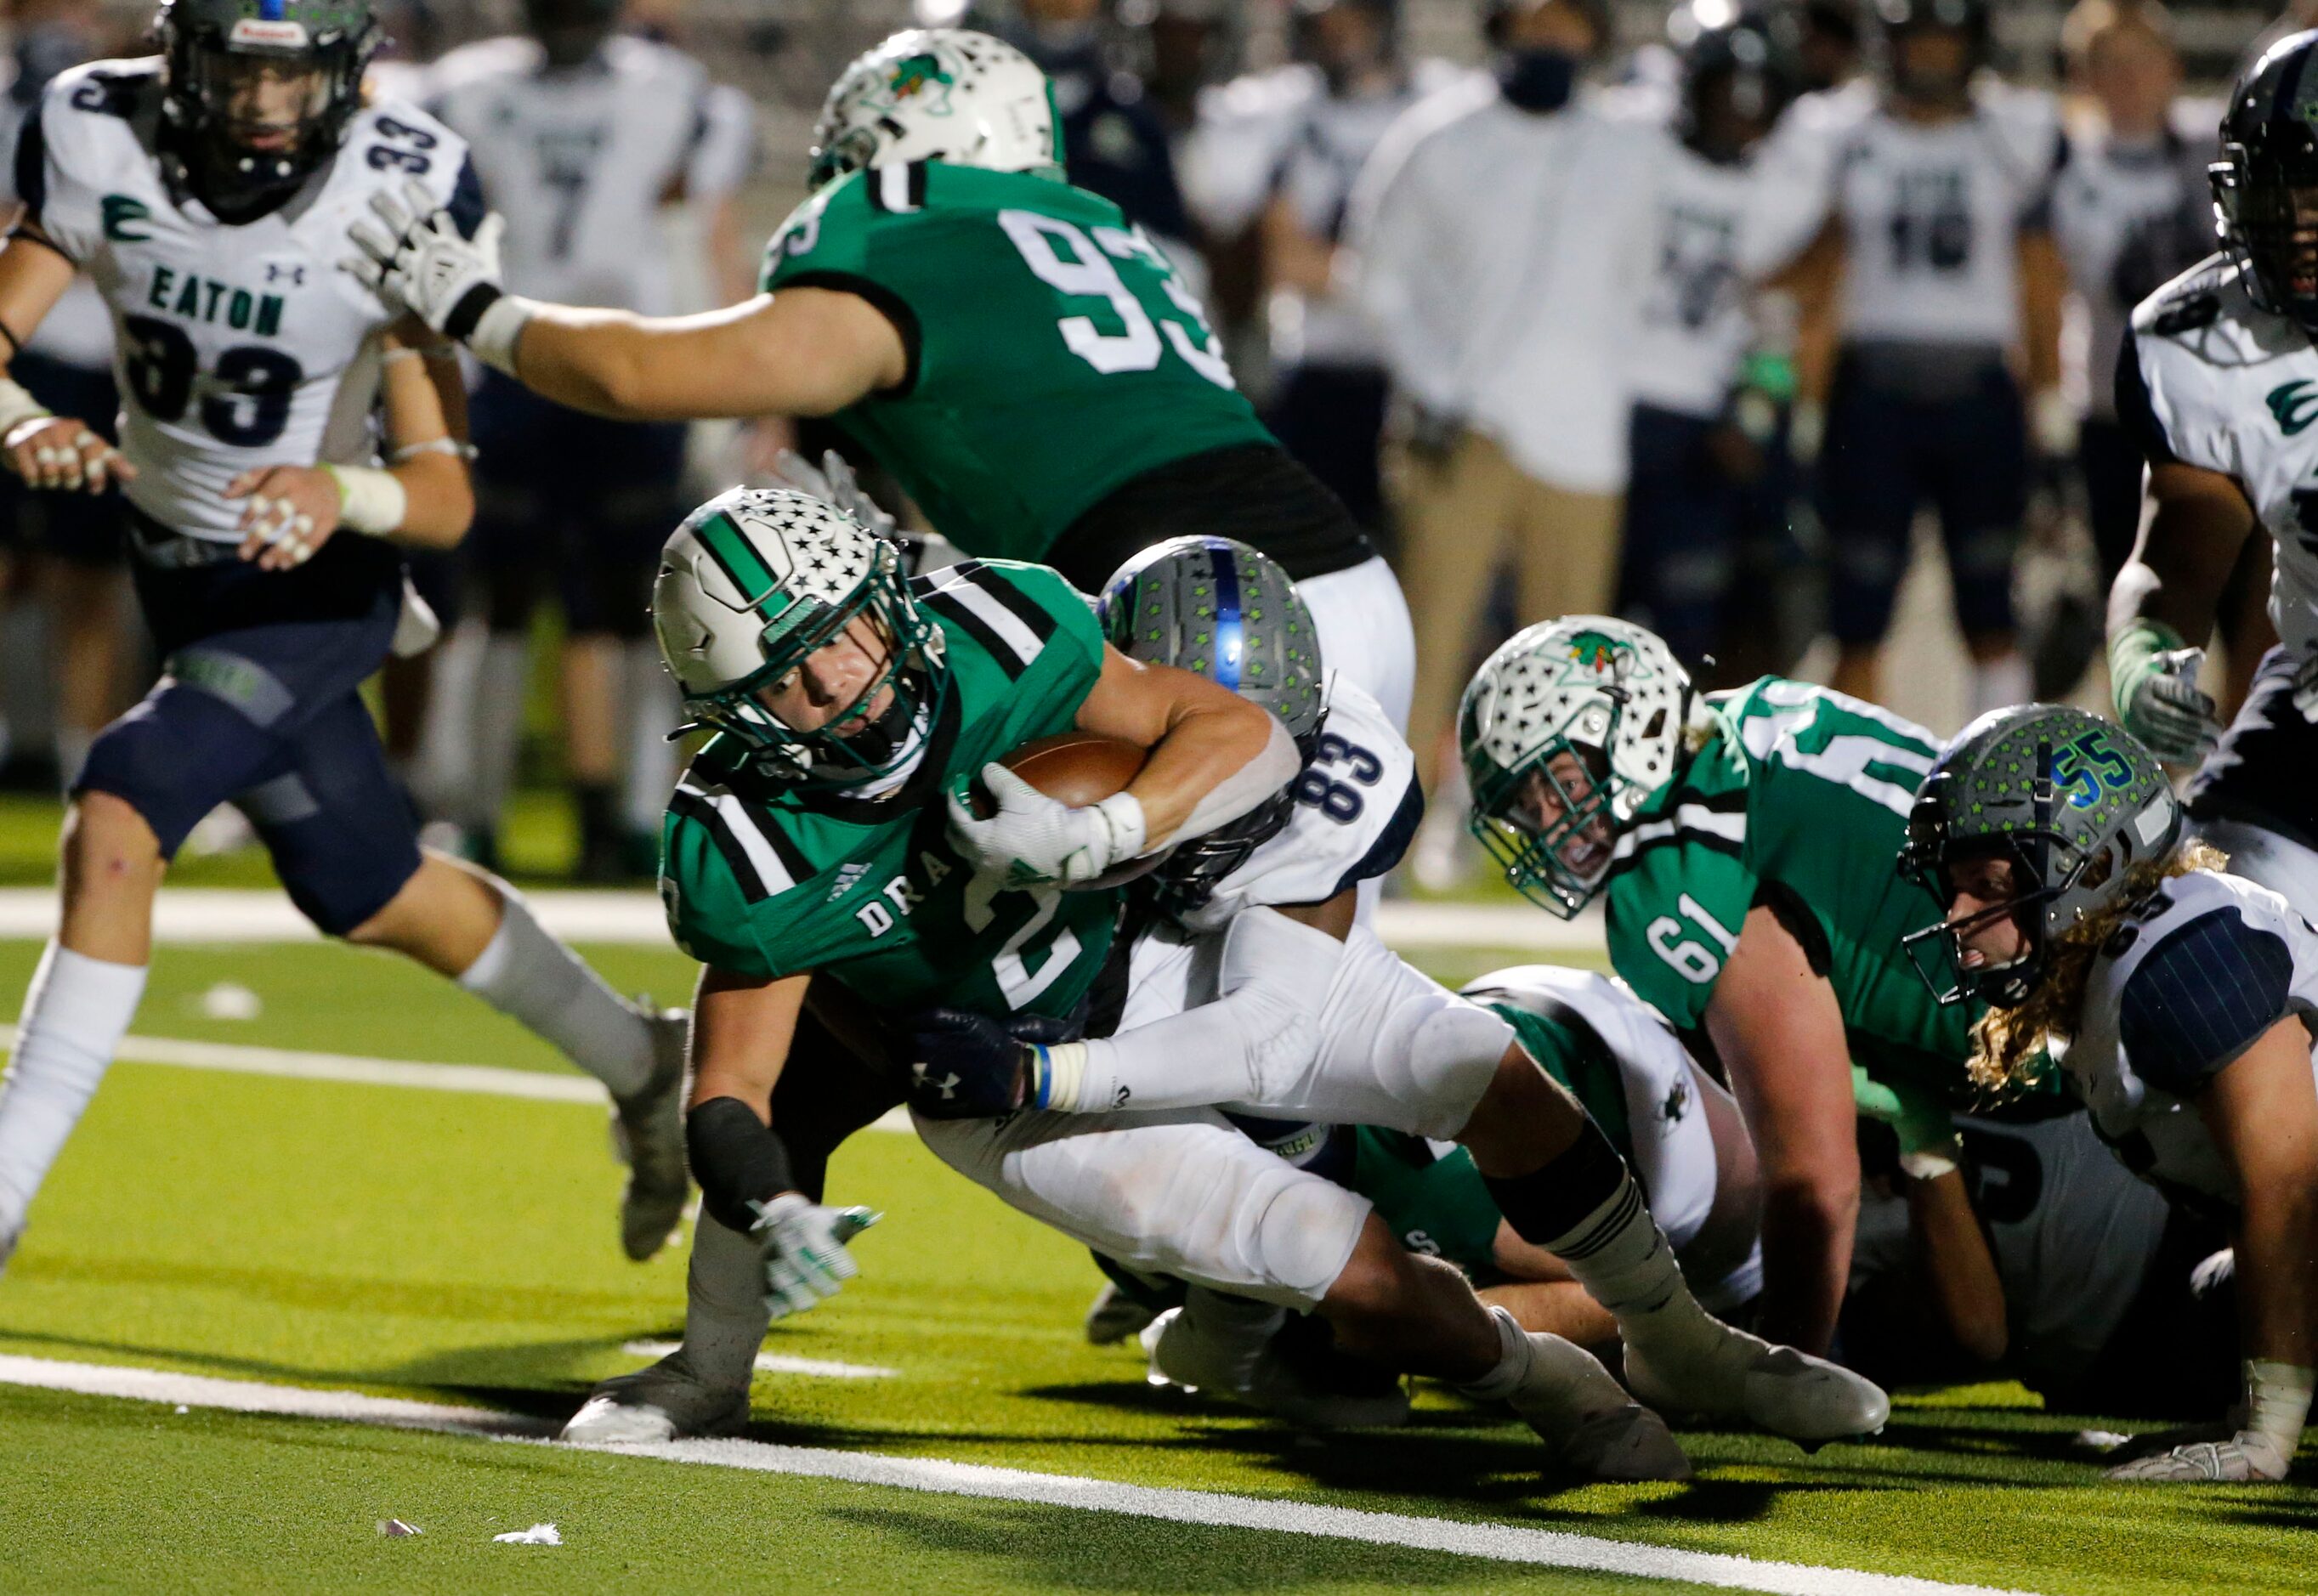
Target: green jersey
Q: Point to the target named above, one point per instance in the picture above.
(1799, 800)
(767, 878)
(1053, 354)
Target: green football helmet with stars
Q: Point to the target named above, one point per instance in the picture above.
(2074, 801)
(755, 581)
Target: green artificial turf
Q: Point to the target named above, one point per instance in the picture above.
(462, 1247)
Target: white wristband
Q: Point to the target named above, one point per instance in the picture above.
(1928, 1164)
(18, 407)
(370, 501)
(498, 328)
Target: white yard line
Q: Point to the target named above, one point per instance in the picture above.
(1501, 1543)
(777, 1363)
(223, 914)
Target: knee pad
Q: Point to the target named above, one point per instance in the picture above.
(1446, 1051)
(1308, 1233)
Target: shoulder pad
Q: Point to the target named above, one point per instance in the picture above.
(2211, 986)
(2186, 315)
(107, 88)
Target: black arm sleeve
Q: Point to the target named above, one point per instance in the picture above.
(737, 1159)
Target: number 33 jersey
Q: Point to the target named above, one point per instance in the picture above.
(1797, 802)
(236, 346)
(1053, 354)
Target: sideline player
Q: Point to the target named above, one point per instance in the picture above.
(1027, 365)
(1744, 842)
(2219, 384)
(2176, 995)
(208, 194)
(579, 137)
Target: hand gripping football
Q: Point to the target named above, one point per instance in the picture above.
(1077, 768)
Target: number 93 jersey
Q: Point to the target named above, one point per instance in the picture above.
(1053, 352)
(236, 346)
(1797, 801)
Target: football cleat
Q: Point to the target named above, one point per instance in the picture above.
(648, 1134)
(1228, 1346)
(1586, 1420)
(664, 1402)
(1113, 1316)
(1749, 1380)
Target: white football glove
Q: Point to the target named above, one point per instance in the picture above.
(2245, 1457)
(1034, 839)
(806, 1258)
(2159, 702)
(418, 261)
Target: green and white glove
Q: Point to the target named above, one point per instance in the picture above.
(2153, 676)
(1928, 1148)
(806, 1256)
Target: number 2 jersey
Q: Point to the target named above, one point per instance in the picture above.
(2200, 973)
(1799, 802)
(1053, 354)
(766, 878)
(235, 345)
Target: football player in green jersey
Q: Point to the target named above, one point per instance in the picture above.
(1025, 362)
(1744, 841)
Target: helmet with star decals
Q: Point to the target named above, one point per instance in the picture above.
(937, 95)
(756, 581)
(1566, 731)
(2071, 800)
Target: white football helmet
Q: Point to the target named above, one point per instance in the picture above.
(1605, 692)
(937, 95)
(758, 578)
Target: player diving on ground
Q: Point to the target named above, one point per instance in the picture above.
(207, 191)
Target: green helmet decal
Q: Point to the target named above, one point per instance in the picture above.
(2073, 801)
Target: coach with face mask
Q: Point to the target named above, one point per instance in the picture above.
(1502, 235)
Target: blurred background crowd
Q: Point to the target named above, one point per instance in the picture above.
(1784, 327)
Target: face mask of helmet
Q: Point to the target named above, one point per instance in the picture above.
(255, 106)
(570, 32)
(1940, 953)
(2273, 226)
(1550, 825)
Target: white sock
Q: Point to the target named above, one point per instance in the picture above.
(725, 1312)
(1547, 1377)
(2001, 683)
(443, 771)
(530, 977)
(498, 726)
(1624, 1261)
(75, 1012)
(653, 708)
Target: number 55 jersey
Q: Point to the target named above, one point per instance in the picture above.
(236, 346)
(1797, 802)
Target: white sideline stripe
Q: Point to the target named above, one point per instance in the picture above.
(780, 1363)
(1501, 1543)
(224, 914)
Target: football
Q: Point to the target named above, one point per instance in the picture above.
(1073, 767)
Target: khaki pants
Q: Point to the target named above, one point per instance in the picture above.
(1459, 517)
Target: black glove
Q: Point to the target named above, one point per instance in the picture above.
(965, 1065)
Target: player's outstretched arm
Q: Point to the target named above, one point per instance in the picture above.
(2161, 608)
(1779, 1031)
(46, 450)
(803, 351)
(2262, 1111)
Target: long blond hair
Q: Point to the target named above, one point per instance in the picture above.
(2005, 1041)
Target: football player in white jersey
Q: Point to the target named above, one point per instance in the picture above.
(207, 191)
(580, 137)
(2218, 381)
(1226, 1000)
(1939, 178)
(2177, 998)
(1709, 452)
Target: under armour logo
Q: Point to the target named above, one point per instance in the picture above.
(275, 272)
(947, 1086)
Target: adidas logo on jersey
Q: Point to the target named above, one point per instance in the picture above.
(848, 878)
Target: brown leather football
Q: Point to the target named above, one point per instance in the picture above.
(1073, 767)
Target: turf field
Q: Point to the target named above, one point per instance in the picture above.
(455, 1247)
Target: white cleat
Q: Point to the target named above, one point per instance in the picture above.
(1777, 1389)
(1587, 1421)
(1113, 1316)
(664, 1402)
(1225, 1345)
(648, 1135)
(1626, 1444)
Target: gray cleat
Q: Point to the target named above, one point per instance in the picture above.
(648, 1134)
(664, 1402)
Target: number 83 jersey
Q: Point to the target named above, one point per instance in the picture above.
(1053, 354)
(235, 345)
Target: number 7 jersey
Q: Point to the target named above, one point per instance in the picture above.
(1053, 354)
(236, 346)
(1798, 801)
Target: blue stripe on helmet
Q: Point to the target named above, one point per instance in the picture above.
(1231, 636)
(269, 11)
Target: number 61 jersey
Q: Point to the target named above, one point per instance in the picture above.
(235, 345)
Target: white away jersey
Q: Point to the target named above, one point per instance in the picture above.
(77, 330)
(2209, 380)
(1357, 805)
(1674, 1154)
(1933, 216)
(580, 162)
(237, 346)
(2210, 964)
(1695, 327)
